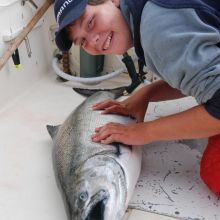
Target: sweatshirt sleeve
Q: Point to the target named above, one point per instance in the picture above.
(181, 49)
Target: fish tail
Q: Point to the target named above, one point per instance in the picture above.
(52, 130)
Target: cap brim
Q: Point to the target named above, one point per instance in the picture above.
(62, 39)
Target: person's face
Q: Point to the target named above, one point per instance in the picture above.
(102, 29)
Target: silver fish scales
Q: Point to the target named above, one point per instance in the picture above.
(96, 180)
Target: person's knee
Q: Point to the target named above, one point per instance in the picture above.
(210, 165)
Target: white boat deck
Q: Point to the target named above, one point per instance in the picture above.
(27, 185)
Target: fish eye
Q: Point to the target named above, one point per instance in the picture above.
(83, 196)
(103, 191)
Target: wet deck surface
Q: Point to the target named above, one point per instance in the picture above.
(169, 183)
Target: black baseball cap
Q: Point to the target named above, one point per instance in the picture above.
(67, 11)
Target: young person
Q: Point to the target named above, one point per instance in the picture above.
(179, 41)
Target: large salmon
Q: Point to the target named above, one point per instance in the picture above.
(96, 180)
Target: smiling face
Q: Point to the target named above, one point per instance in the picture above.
(102, 29)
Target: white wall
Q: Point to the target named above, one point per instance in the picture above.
(13, 17)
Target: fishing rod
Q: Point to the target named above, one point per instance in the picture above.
(21, 37)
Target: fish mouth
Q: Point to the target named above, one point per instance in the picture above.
(98, 205)
(98, 210)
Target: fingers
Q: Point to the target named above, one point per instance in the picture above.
(103, 132)
(111, 132)
(111, 106)
(113, 138)
(130, 134)
(104, 104)
(116, 109)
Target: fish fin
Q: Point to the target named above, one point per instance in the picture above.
(117, 145)
(118, 149)
(88, 92)
(52, 130)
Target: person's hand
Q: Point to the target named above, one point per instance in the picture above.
(135, 106)
(111, 106)
(130, 134)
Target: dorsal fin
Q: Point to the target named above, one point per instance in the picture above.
(88, 92)
(52, 130)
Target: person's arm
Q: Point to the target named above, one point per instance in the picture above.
(159, 91)
(192, 123)
(137, 103)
